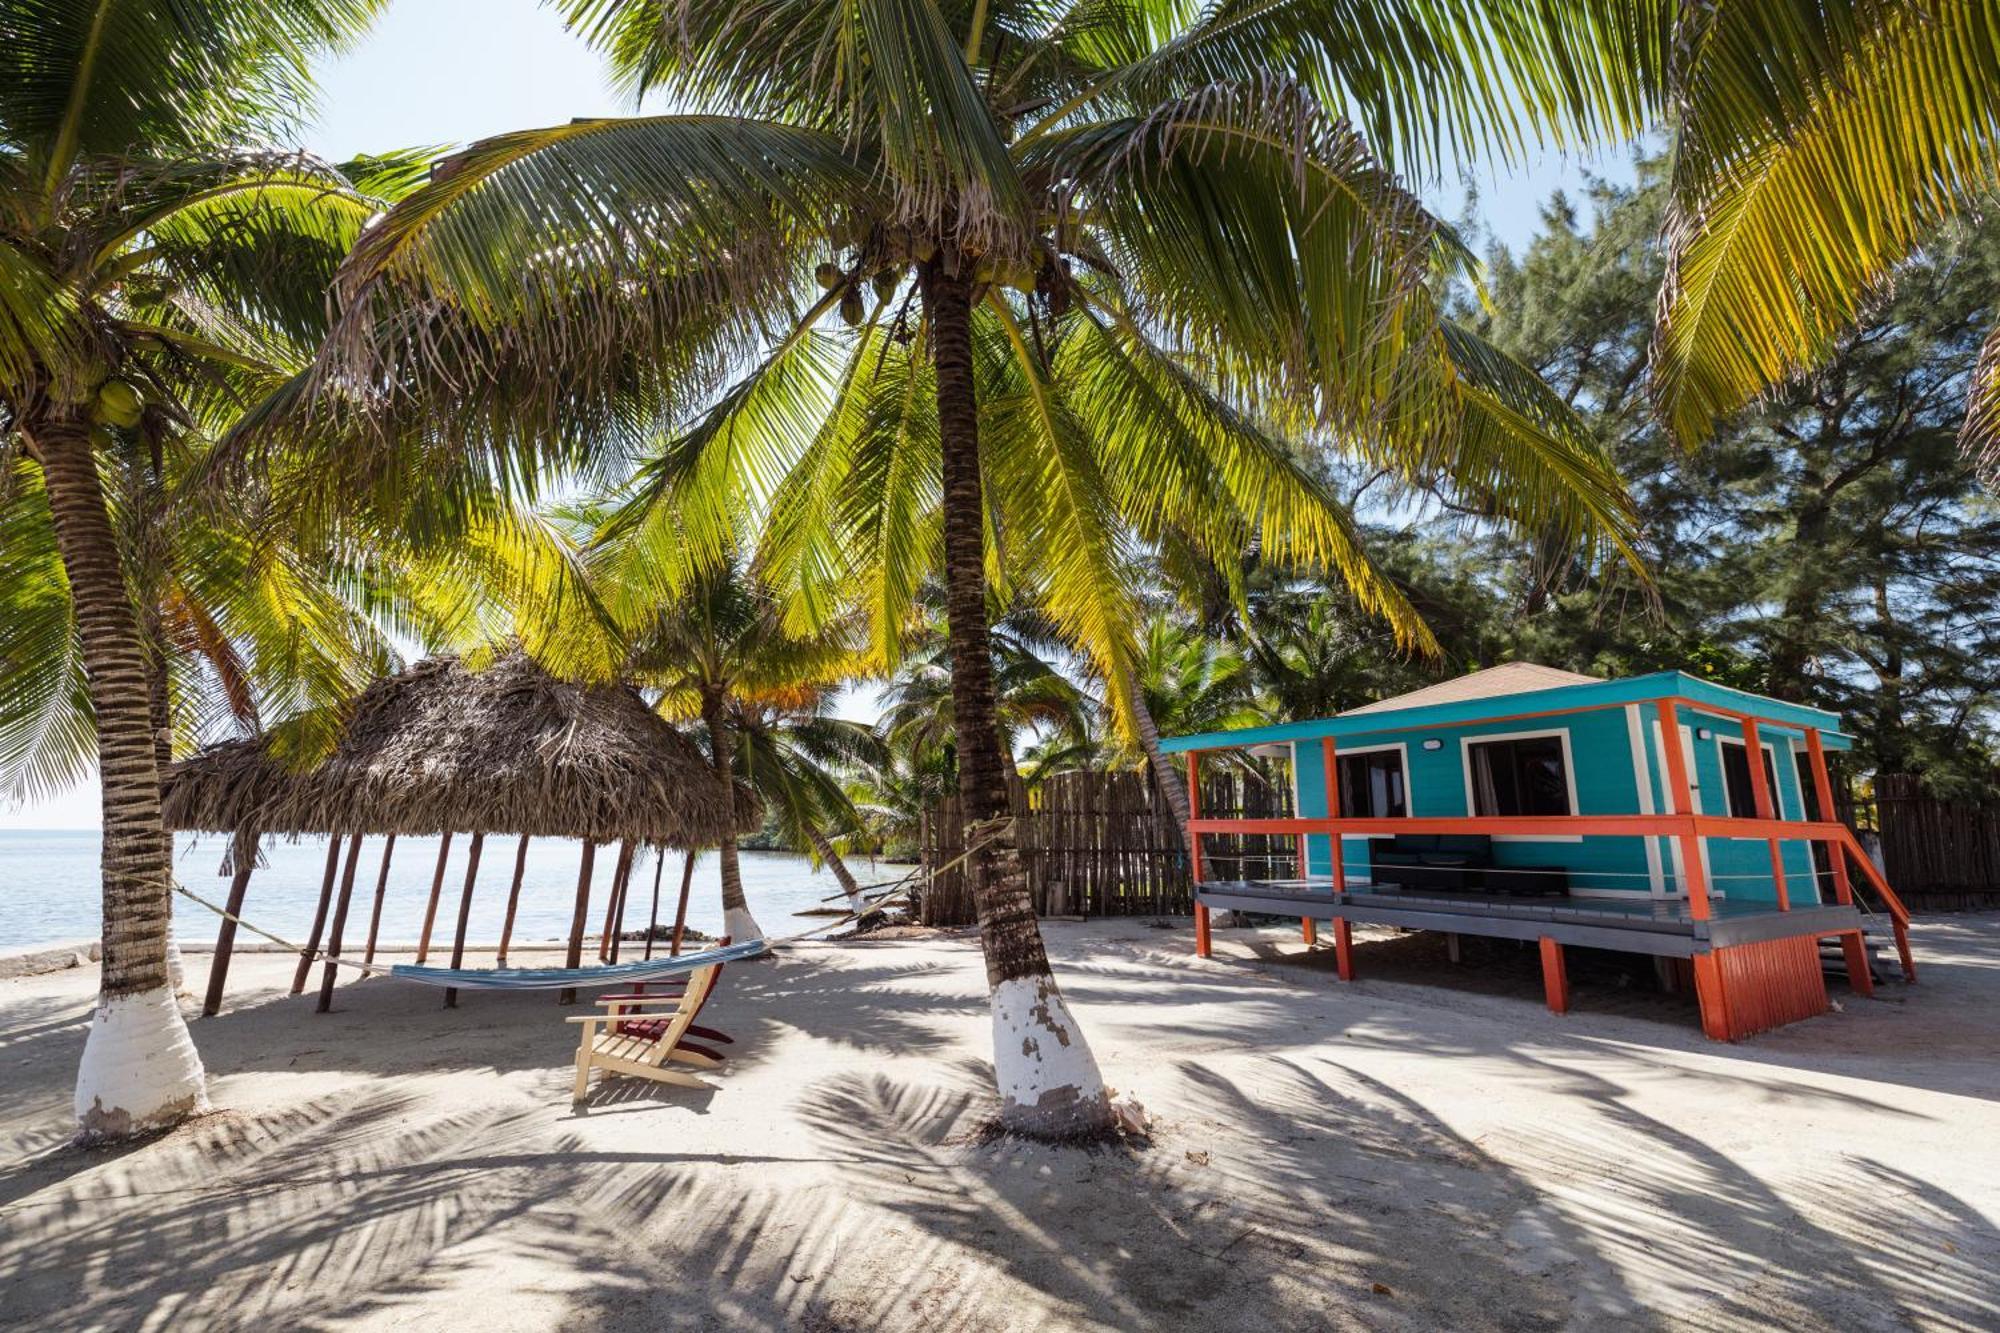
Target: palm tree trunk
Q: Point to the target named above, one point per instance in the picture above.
(140, 1071)
(824, 846)
(160, 710)
(1049, 1082)
(737, 922)
(1167, 775)
(1165, 772)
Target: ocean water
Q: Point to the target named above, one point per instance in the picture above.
(49, 888)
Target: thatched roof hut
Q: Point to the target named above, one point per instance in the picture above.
(441, 748)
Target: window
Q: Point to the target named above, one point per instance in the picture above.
(1372, 786)
(1736, 778)
(1526, 776)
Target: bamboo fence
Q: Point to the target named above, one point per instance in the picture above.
(1107, 844)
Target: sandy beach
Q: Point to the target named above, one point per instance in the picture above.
(1426, 1147)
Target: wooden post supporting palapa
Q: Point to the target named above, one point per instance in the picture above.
(244, 859)
(681, 912)
(631, 859)
(653, 917)
(574, 958)
(621, 874)
(339, 925)
(513, 899)
(381, 891)
(437, 887)
(464, 913)
(307, 954)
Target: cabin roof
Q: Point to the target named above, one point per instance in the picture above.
(1492, 683)
(1528, 689)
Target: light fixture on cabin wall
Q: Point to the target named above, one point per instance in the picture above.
(1703, 734)
(1433, 743)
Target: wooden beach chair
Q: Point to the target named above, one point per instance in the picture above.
(635, 1022)
(621, 1041)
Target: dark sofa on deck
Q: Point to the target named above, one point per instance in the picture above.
(1457, 862)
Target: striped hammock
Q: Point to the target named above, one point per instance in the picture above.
(567, 978)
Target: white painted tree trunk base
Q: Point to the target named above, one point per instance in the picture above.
(740, 926)
(1049, 1084)
(140, 1070)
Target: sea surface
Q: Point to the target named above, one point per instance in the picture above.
(49, 888)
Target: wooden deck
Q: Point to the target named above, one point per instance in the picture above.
(1755, 965)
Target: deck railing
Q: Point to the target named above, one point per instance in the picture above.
(1680, 824)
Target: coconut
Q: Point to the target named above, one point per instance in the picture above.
(119, 403)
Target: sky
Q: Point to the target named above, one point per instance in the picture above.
(434, 73)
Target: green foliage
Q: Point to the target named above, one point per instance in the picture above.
(158, 275)
(1827, 545)
(1190, 272)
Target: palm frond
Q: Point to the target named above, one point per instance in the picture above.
(1796, 198)
(595, 278)
(86, 78)
(1430, 84)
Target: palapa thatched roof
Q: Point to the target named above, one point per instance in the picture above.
(441, 748)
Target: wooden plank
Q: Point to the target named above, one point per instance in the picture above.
(1761, 799)
(1854, 950)
(1680, 792)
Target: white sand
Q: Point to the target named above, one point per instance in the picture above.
(1384, 1154)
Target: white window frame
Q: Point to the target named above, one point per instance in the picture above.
(1402, 749)
(1467, 741)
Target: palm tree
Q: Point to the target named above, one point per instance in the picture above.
(1090, 264)
(799, 757)
(1190, 682)
(715, 649)
(1030, 692)
(154, 273)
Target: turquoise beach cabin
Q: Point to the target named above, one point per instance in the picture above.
(1531, 803)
